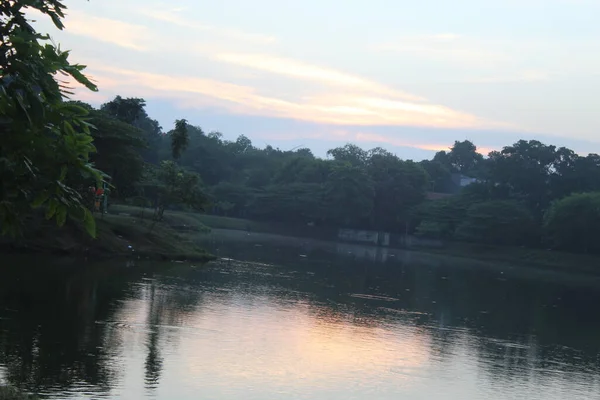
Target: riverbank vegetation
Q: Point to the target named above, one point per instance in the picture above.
(239, 229)
(116, 235)
(66, 160)
(9, 393)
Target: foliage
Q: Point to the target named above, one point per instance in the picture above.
(439, 176)
(240, 196)
(501, 222)
(44, 141)
(47, 160)
(350, 153)
(294, 202)
(399, 186)
(432, 229)
(573, 223)
(132, 112)
(10, 393)
(174, 186)
(348, 195)
(524, 169)
(439, 219)
(179, 138)
(118, 150)
(464, 158)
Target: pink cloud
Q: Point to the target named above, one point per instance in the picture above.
(344, 108)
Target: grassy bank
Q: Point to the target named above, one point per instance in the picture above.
(519, 256)
(185, 220)
(9, 393)
(509, 255)
(117, 235)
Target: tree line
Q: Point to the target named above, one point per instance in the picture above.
(527, 194)
(53, 148)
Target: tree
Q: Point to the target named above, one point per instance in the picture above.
(439, 176)
(132, 112)
(464, 158)
(129, 110)
(349, 153)
(207, 155)
(240, 196)
(573, 223)
(399, 185)
(498, 222)
(349, 195)
(179, 138)
(573, 174)
(175, 186)
(292, 203)
(439, 219)
(443, 158)
(525, 169)
(241, 145)
(43, 140)
(118, 147)
(303, 169)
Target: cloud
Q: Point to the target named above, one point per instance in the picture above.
(445, 37)
(524, 76)
(173, 18)
(447, 47)
(373, 137)
(111, 31)
(338, 109)
(368, 137)
(295, 69)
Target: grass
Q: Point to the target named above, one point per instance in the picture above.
(9, 393)
(182, 219)
(117, 232)
(511, 255)
(197, 221)
(116, 235)
(519, 255)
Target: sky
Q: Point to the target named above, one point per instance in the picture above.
(409, 76)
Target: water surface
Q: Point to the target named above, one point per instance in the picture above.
(277, 318)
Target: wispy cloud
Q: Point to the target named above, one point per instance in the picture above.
(524, 76)
(448, 47)
(445, 37)
(123, 34)
(378, 138)
(370, 138)
(340, 109)
(176, 19)
(295, 69)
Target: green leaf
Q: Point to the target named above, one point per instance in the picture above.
(57, 22)
(51, 210)
(61, 215)
(69, 128)
(40, 199)
(63, 173)
(89, 223)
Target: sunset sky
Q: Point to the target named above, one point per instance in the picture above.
(408, 76)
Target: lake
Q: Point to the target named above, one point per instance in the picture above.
(281, 318)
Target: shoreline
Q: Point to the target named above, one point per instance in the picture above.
(125, 233)
(117, 236)
(11, 393)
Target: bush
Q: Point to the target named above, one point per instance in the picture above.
(498, 222)
(432, 230)
(573, 223)
(9, 393)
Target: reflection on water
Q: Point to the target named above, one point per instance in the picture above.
(301, 320)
